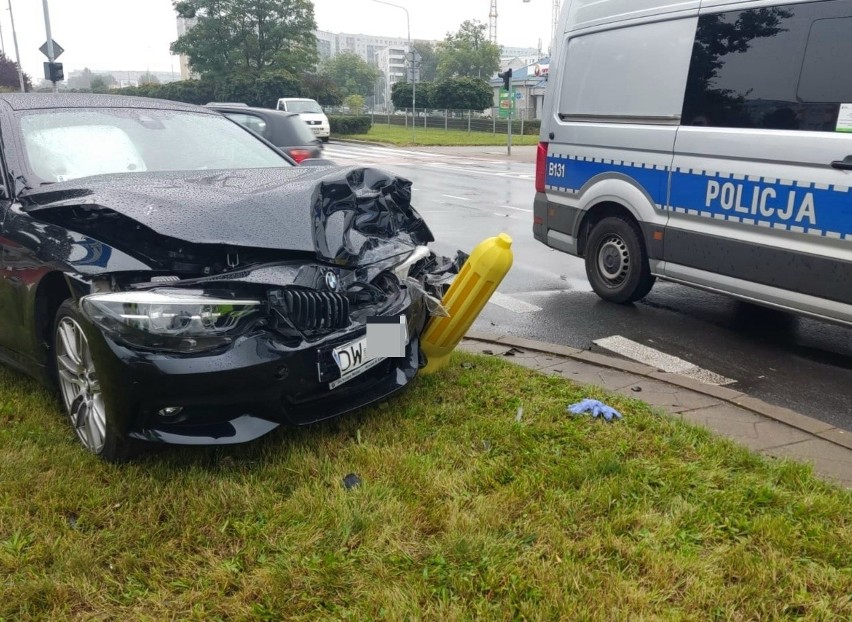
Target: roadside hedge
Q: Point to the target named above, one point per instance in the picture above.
(531, 128)
(347, 125)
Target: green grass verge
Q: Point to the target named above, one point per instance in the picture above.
(399, 135)
(463, 514)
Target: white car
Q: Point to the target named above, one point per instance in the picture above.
(310, 112)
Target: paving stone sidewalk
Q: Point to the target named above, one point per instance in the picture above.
(766, 429)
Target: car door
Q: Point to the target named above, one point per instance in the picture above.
(760, 204)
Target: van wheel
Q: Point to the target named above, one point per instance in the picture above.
(79, 386)
(616, 261)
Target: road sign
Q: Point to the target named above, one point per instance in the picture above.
(57, 50)
(507, 104)
(519, 96)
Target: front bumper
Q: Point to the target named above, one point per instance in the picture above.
(321, 131)
(243, 392)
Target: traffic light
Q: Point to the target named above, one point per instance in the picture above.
(506, 77)
(54, 72)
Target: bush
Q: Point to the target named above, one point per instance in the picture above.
(255, 90)
(347, 125)
(462, 94)
(531, 127)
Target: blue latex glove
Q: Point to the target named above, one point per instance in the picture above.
(595, 409)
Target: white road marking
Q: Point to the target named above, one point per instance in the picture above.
(513, 304)
(660, 360)
(451, 196)
(520, 209)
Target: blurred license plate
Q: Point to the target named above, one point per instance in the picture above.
(352, 361)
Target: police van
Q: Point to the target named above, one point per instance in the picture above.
(706, 142)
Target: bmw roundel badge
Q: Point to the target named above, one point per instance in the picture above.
(331, 281)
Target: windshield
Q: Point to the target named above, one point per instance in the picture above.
(304, 105)
(62, 145)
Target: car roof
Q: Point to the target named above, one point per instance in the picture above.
(296, 99)
(41, 101)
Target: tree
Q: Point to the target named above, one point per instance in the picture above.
(355, 103)
(254, 36)
(9, 74)
(261, 90)
(81, 81)
(352, 74)
(148, 78)
(463, 94)
(101, 83)
(321, 88)
(468, 53)
(428, 61)
(401, 95)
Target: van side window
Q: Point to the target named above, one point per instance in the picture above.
(633, 72)
(784, 68)
(827, 69)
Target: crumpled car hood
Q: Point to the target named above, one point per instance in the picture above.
(346, 215)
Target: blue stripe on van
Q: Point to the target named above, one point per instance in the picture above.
(579, 171)
(793, 206)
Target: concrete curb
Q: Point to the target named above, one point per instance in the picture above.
(806, 424)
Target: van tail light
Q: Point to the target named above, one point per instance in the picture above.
(300, 155)
(541, 167)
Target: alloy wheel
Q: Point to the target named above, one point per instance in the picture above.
(79, 385)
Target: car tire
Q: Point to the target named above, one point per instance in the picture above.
(79, 387)
(616, 261)
(325, 139)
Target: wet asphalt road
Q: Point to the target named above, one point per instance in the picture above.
(467, 195)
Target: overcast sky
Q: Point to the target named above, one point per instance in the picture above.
(135, 34)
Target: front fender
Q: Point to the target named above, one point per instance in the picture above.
(626, 192)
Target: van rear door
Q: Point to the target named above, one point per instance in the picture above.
(760, 195)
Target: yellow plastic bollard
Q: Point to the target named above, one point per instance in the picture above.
(483, 272)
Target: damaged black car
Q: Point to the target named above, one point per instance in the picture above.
(182, 281)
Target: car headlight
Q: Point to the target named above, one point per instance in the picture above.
(184, 321)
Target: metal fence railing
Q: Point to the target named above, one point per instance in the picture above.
(523, 119)
(464, 120)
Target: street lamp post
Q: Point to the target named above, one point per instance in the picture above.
(413, 66)
(17, 53)
(50, 51)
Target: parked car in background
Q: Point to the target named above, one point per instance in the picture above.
(182, 281)
(311, 113)
(285, 130)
